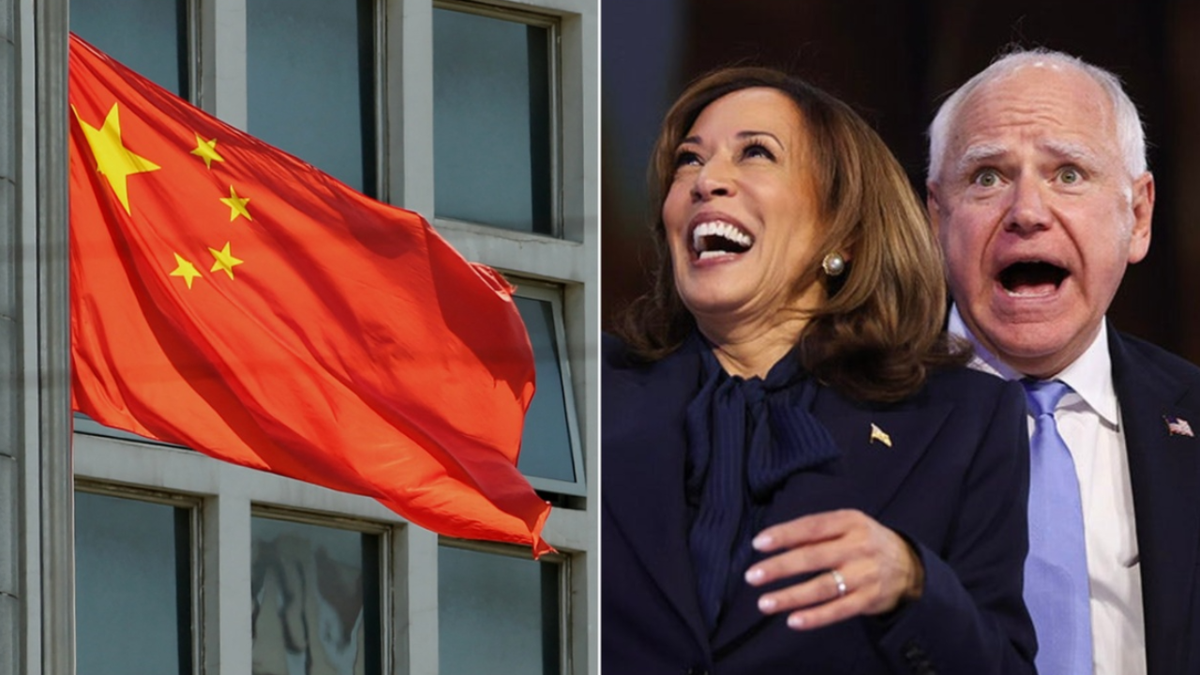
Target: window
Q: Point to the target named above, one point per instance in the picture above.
(494, 118)
(133, 585)
(550, 455)
(507, 609)
(315, 596)
(150, 36)
(310, 83)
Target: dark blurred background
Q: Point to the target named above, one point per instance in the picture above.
(894, 61)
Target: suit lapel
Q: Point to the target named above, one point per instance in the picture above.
(1165, 477)
(644, 454)
(866, 477)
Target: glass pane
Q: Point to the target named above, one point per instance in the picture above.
(133, 599)
(315, 596)
(491, 105)
(506, 610)
(149, 36)
(546, 444)
(311, 83)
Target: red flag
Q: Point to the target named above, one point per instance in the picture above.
(231, 298)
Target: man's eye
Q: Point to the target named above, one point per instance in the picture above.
(1069, 175)
(987, 178)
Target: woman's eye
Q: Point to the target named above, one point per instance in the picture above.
(686, 158)
(758, 150)
(987, 178)
(1069, 175)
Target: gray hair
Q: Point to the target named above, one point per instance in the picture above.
(1130, 135)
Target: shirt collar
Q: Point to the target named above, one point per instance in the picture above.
(1089, 376)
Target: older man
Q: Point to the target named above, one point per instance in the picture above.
(1039, 192)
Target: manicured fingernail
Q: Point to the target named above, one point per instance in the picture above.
(762, 542)
(795, 621)
(766, 605)
(754, 575)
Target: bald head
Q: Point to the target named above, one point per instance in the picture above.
(1127, 125)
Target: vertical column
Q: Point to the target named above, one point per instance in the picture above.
(45, 308)
(227, 639)
(12, 614)
(223, 60)
(36, 569)
(414, 630)
(409, 104)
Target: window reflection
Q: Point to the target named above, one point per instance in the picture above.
(315, 595)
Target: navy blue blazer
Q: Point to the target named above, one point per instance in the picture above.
(1164, 470)
(954, 480)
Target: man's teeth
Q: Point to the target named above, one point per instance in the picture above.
(722, 230)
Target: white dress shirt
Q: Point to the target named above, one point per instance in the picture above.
(1089, 420)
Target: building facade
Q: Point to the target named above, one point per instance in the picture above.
(118, 554)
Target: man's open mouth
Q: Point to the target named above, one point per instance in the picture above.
(1032, 278)
(715, 238)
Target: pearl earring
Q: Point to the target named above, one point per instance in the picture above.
(834, 264)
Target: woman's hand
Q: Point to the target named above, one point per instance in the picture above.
(875, 567)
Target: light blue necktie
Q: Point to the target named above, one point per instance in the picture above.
(1056, 576)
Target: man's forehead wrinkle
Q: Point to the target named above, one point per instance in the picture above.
(993, 118)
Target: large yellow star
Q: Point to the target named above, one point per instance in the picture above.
(224, 260)
(207, 151)
(113, 160)
(236, 204)
(185, 269)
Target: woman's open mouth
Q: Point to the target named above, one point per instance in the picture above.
(716, 238)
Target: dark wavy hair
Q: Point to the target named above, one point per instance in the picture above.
(879, 332)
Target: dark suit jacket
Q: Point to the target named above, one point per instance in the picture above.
(1164, 471)
(955, 479)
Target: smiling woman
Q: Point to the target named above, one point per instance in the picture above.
(790, 442)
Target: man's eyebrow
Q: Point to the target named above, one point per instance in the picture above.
(1073, 151)
(977, 154)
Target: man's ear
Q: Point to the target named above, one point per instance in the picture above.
(1143, 211)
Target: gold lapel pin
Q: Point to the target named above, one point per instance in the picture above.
(878, 434)
(1177, 426)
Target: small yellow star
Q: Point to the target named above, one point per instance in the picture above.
(207, 151)
(236, 204)
(185, 269)
(224, 260)
(113, 160)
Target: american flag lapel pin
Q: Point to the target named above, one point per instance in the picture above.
(878, 434)
(1177, 426)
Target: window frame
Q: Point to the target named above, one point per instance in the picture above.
(338, 521)
(552, 24)
(565, 583)
(542, 291)
(194, 507)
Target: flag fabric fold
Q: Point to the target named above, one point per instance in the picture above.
(231, 298)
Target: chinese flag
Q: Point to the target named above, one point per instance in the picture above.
(231, 298)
